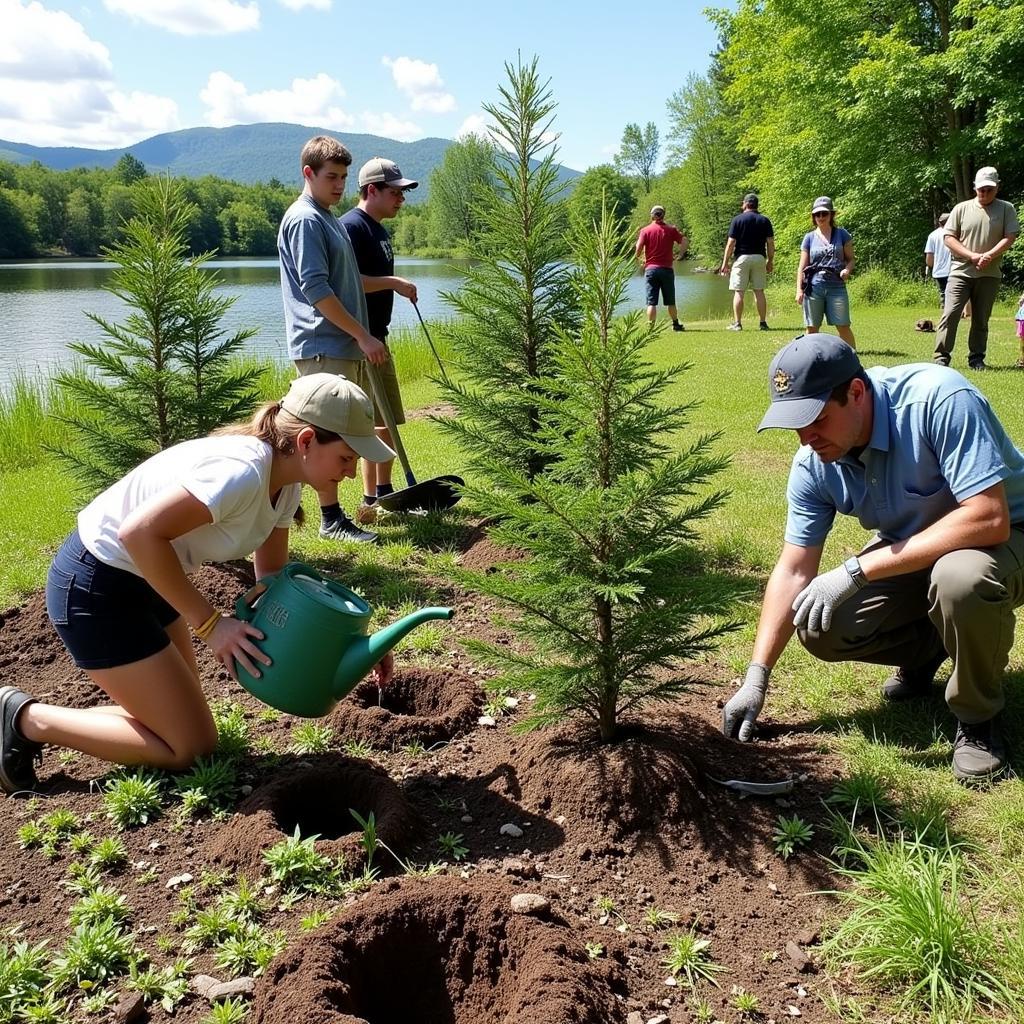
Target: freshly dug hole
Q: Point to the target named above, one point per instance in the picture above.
(440, 951)
(317, 799)
(419, 704)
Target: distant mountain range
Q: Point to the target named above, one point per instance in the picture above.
(245, 152)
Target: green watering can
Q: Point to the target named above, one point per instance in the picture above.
(315, 632)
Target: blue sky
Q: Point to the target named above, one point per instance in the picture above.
(108, 73)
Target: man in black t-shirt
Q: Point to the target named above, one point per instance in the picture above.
(382, 191)
(752, 242)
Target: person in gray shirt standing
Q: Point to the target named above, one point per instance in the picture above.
(978, 232)
(325, 316)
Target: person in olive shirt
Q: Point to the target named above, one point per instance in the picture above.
(978, 233)
(382, 189)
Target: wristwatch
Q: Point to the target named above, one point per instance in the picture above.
(852, 566)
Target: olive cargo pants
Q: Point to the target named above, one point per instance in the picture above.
(963, 604)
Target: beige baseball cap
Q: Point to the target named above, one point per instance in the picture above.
(334, 403)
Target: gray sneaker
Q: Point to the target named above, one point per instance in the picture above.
(345, 529)
(978, 751)
(16, 753)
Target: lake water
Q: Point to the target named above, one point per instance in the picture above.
(43, 304)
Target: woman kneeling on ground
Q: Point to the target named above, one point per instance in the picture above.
(826, 262)
(118, 590)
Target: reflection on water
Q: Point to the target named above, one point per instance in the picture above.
(43, 304)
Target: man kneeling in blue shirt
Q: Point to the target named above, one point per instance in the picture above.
(918, 456)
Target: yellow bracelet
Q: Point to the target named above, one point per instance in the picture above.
(204, 631)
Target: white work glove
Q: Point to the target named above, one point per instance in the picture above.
(815, 604)
(739, 716)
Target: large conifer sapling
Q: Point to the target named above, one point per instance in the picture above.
(516, 293)
(608, 606)
(165, 373)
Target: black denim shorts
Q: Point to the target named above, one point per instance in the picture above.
(105, 616)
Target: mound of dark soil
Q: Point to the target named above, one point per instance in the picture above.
(420, 704)
(440, 950)
(318, 800)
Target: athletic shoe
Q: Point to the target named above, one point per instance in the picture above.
(16, 753)
(366, 515)
(764, 326)
(678, 327)
(912, 683)
(345, 529)
(978, 751)
(977, 366)
(735, 327)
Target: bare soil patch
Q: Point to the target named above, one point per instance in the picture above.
(640, 823)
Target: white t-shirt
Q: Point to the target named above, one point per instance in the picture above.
(229, 475)
(943, 257)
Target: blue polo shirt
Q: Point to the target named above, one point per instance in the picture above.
(935, 442)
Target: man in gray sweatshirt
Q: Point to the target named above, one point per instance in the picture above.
(325, 317)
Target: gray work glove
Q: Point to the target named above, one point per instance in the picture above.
(740, 715)
(815, 604)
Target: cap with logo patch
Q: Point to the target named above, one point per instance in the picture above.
(379, 171)
(801, 378)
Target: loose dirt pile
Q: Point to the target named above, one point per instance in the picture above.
(441, 950)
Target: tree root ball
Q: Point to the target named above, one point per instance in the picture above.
(420, 705)
(317, 799)
(440, 949)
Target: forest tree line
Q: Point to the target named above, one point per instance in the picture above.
(887, 106)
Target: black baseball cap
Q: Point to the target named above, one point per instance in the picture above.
(801, 378)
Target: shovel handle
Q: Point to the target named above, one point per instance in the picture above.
(430, 342)
(389, 419)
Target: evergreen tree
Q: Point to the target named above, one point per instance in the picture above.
(517, 293)
(608, 605)
(163, 375)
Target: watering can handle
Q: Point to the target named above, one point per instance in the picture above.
(244, 604)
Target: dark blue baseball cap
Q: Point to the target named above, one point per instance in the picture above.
(801, 378)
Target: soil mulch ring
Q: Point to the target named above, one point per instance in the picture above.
(641, 824)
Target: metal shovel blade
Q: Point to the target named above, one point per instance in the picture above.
(429, 495)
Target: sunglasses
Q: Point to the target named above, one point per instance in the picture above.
(821, 213)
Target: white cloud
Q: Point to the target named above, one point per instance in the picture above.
(298, 5)
(43, 45)
(57, 88)
(422, 83)
(389, 126)
(475, 124)
(312, 101)
(191, 17)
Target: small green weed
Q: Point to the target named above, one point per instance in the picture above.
(295, 863)
(451, 845)
(103, 902)
(83, 878)
(243, 903)
(357, 748)
(861, 792)
(746, 1002)
(790, 834)
(250, 951)
(232, 729)
(594, 950)
(369, 827)
(132, 800)
(23, 975)
(108, 853)
(314, 920)
(229, 1011)
(312, 738)
(95, 952)
(209, 785)
(167, 986)
(657, 919)
(688, 956)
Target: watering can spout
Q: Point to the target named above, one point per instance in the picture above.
(365, 651)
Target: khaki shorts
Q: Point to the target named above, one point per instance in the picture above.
(748, 272)
(355, 371)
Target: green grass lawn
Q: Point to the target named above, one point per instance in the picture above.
(903, 753)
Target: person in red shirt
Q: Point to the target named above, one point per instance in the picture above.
(655, 245)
